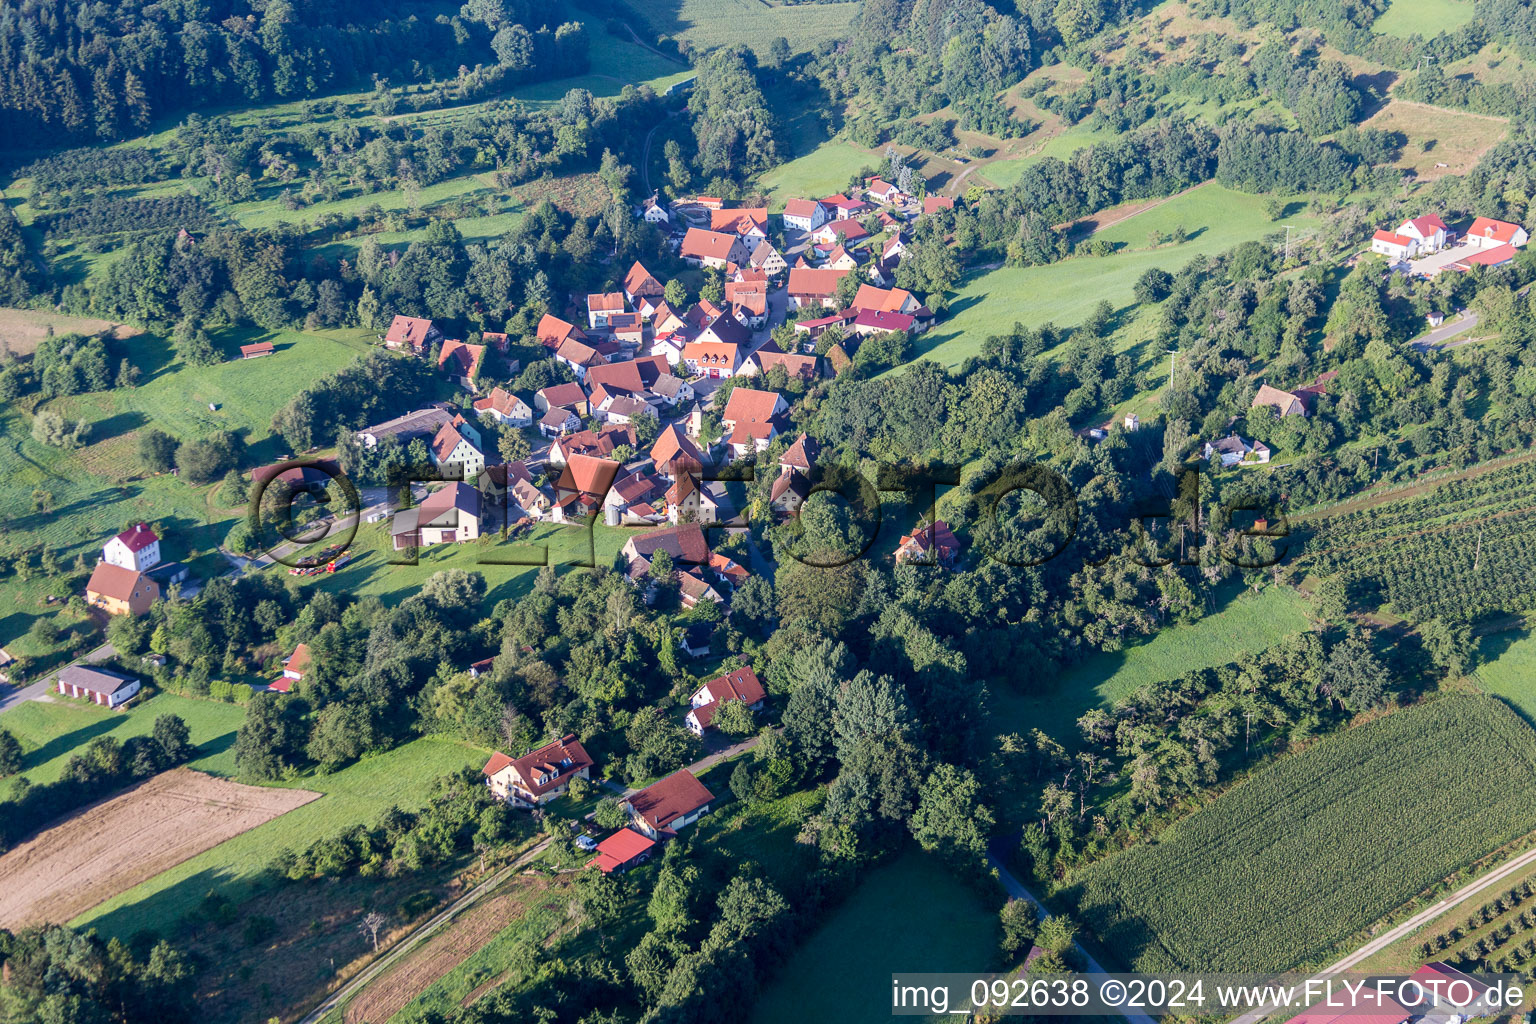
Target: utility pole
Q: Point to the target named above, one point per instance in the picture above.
(1247, 730)
(1173, 359)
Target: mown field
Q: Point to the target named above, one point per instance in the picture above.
(51, 731)
(1507, 669)
(911, 915)
(1292, 862)
(358, 793)
(1425, 18)
(1247, 624)
(991, 301)
(711, 23)
(1437, 136)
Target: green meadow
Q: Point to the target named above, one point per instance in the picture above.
(1246, 625)
(1427, 18)
(711, 23)
(991, 301)
(1508, 669)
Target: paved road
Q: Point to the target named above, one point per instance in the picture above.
(420, 935)
(1411, 925)
(1446, 331)
(13, 698)
(703, 764)
(1016, 889)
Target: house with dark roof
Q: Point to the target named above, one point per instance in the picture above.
(538, 776)
(423, 423)
(930, 545)
(675, 802)
(98, 685)
(683, 543)
(1234, 451)
(739, 684)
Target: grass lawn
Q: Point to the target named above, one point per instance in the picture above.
(51, 731)
(989, 302)
(1425, 18)
(1060, 145)
(822, 172)
(370, 570)
(1508, 669)
(911, 915)
(1246, 624)
(1438, 136)
(711, 23)
(357, 793)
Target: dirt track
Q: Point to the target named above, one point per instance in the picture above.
(114, 845)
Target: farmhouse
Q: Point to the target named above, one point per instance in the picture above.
(461, 361)
(804, 214)
(675, 802)
(579, 357)
(137, 549)
(1415, 237)
(624, 849)
(602, 306)
(672, 390)
(812, 287)
(767, 259)
(583, 484)
(887, 300)
(539, 776)
(1233, 450)
(293, 670)
(1283, 402)
(672, 445)
(752, 419)
(882, 191)
(568, 395)
(703, 248)
(423, 423)
(119, 591)
(505, 408)
(840, 232)
(641, 283)
(558, 420)
(1487, 233)
(109, 689)
(876, 321)
(929, 545)
(736, 685)
(683, 543)
(599, 443)
(750, 223)
(456, 451)
(796, 367)
(256, 351)
(414, 332)
(688, 503)
(840, 207)
(446, 516)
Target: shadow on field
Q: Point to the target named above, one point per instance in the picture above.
(173, 909)
(67, 742)
(117, 425)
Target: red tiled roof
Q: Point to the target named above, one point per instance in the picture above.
(684, 542)
(547, 760)
(1488, 257)
(261, 348)
(850, 229)
(1393, 238)
(731, 220)
(672, 443)
(113, 581)
(887, 300)
(701, 244)
(496, 764)
(298, 661)
(883, 321)
(640, 281)
(748, 405)
(801, 208)
(552, 331)
(620, 848)
(282, 684)
(1497, 230)
(567, 394)
(663, 802)
(797, 366)
(738, 684)
(605, 302)
(1428, 224)
(818, 282)
(932, 203)
(466, 357)
(802, 454)
(408, 329)
(138, 538)
(586, 475)
(502, 401)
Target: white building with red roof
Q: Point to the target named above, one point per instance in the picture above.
(413, 332)
(752, 419)
(738, 684)
(539, 776)
(804, 214)
(505, 408)
(1414, 237)
(136, 548)
(1487, 233)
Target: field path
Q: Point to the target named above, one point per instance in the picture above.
(420, 935)
(111, 846)
(1408, 927)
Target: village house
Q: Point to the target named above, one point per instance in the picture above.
(627, 329)
(840, 232)
(882, 191)
(582, 486)
(703, 248)
(622, 851)
(767, 259)
(494, 339)
(633, 500)
(1415, 237)
(413, 332)
(1283, 402)
(640, 283)
(257, 350)
(748, 223)
(712, 358)
(449, 515)
(653, 212)
(558, 420)
(119, 591)
(840, 259)
(456, 450)
(1487, 233)
(687, 502)
(875, 321)
(666, 320)
(675, 802)
(684, 543)
(933, 204)
(795, 366)
(752, 419)
(739, 684)
(137, 548)
(1233, 450)
(539, 776)
(935, 545)
(553, 332)
(887, 300)
(423, 423)
(672, 391)
(602, 306)
(569, 395)
(579, 357)
(505, 408)
(672, 445)
(804, 214)
(841, 207)
(692, 588)
(98, 685)
(462, 362)
(600, 443)
(293, 670)
(813, 287)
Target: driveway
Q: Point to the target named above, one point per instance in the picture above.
(1446, 331)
